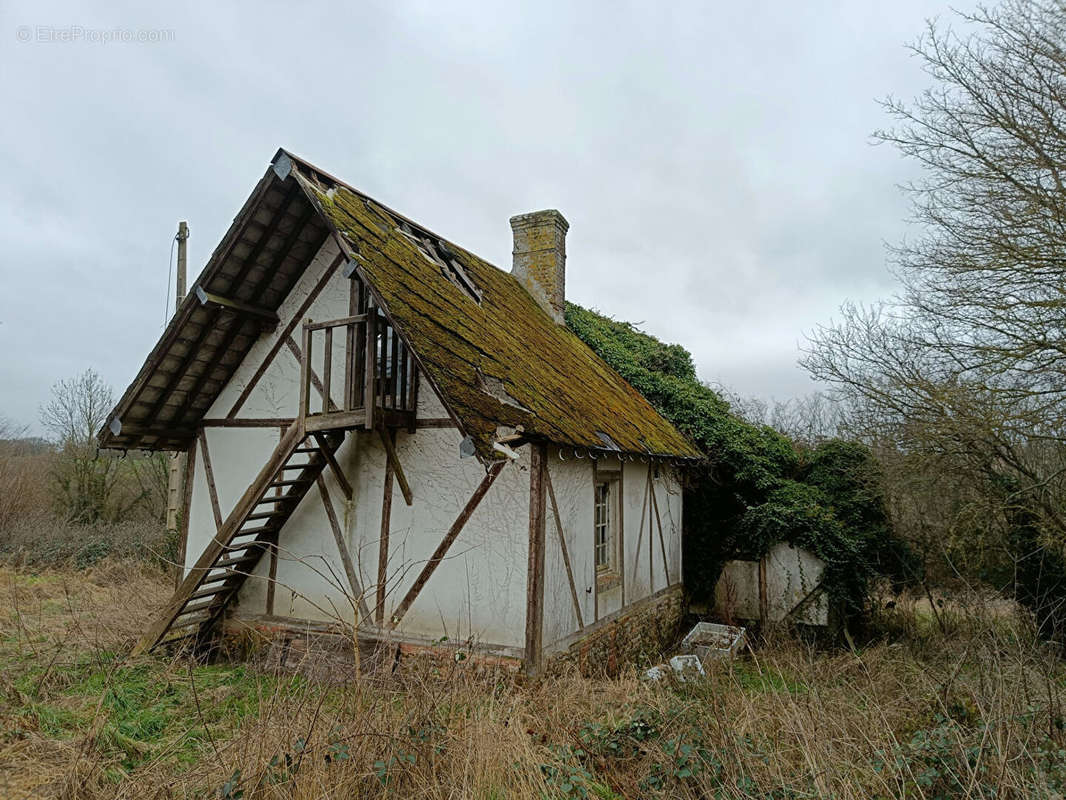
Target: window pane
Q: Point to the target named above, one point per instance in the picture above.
(602, 520)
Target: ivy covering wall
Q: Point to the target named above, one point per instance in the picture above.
(755, 487)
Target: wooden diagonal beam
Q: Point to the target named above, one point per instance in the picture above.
(331, 459)
(298, 354)
(640, 536)
(401, 479)
(446, 543)
(346, 557)
(662, 541)
(229, 304)
(383, 543)
(286, 334)
(562, 545)
(209, 474)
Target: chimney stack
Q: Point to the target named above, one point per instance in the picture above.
(540, 258)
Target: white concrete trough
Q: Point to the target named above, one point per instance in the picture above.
(711, 640)
(686, 667)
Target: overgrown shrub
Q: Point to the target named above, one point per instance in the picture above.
(755, 487)
(42, 540)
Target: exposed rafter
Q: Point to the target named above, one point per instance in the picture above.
(229, 304)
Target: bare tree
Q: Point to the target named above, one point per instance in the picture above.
(91, 485)
(807, 420)
(966, 368)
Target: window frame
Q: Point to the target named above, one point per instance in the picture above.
(611, 505)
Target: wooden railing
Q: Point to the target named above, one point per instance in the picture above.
(376, 370)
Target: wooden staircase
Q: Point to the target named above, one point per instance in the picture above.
(250, 530)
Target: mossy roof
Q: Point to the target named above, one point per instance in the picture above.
(496, 361)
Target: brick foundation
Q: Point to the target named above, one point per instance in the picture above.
(638, 634)
(322, 652)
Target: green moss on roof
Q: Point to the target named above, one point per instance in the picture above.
(553, 385)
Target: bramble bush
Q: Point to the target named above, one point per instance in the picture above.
(755, 487)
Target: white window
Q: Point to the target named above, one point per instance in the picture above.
(606, 525)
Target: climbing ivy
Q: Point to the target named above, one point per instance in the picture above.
(754, 487)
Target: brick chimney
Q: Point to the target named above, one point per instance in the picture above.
(540, 258)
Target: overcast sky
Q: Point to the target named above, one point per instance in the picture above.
(713, 159)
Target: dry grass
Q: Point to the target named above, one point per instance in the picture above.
(974, 713)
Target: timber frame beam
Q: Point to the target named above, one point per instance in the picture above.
(538, 469)
(397, 469)
(228, 304)
(446, 543)
(565, 551)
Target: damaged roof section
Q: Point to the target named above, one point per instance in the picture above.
(501, 360)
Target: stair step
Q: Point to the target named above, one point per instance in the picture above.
(226, 563)
(254, 531)
(192, 609)
(171, 639)
(264, 515)
(208, 593)
(205, 598)
(281, 498)
(186, 623)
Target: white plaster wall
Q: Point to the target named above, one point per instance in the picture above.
(645, 571)
(792, 573)
(479, 591)
(573, 482)
(277, 393)
(237, 455)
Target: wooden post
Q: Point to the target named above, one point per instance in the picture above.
(764, 602)
(357, 598)
(662, 540)
(622, 528)
(305, 376)
(209, 475)
(370, 362)
(186, 503)
(383, 543)
(327, 370)
(179, 286)
(178, 461)
(651, 544)
(535, 570)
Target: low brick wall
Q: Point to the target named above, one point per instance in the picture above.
(321, 652)
(638, 634)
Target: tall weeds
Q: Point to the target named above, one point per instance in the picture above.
(970, 708)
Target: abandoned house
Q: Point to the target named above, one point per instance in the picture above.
(388, 434)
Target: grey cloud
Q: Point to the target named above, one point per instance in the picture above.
(714, 161)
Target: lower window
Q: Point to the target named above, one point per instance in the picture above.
(606, 520)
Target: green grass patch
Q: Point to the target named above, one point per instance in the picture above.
(151, 710)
